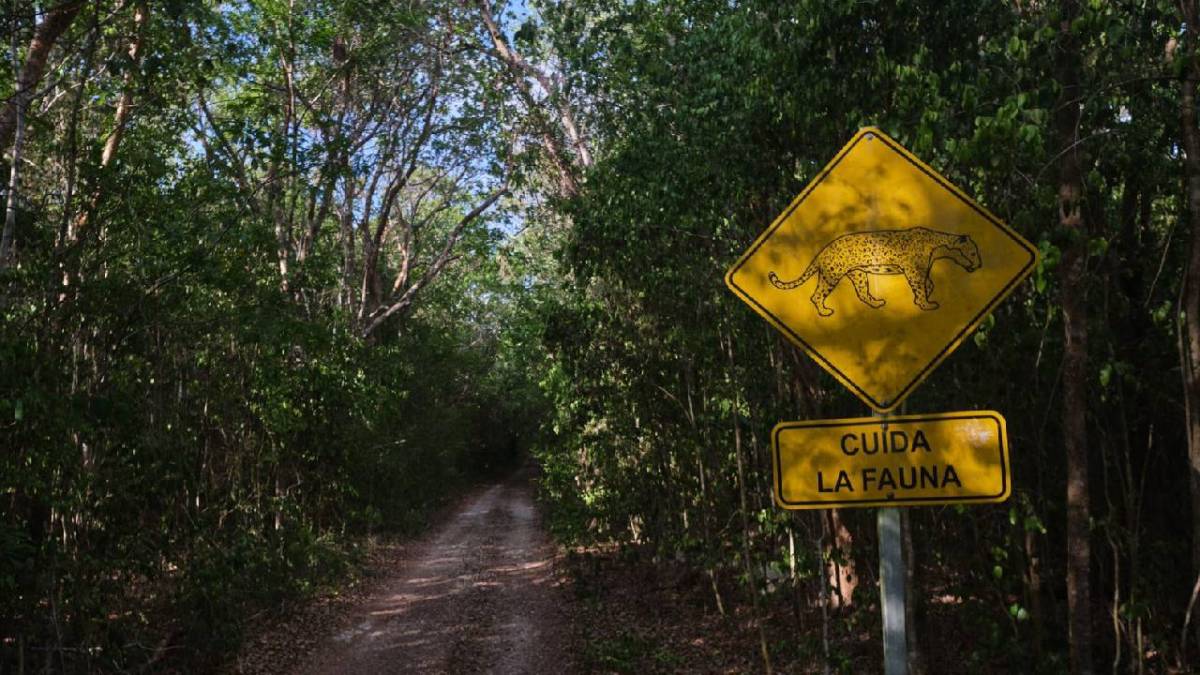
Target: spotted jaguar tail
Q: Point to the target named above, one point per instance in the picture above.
(789, 285)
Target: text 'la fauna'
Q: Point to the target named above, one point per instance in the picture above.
(888, 478)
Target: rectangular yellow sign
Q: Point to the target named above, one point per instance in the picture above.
(945, 458)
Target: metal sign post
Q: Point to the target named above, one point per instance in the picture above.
(892, 574)
(891, 588)
(902, 266)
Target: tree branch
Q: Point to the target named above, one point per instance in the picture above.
(439, 263)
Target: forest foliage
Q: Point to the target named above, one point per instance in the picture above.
(280, 273)
(245, 324)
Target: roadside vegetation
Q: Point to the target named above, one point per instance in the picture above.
(278, 274)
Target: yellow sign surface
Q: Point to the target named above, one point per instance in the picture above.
(947, 458)
(880, 268)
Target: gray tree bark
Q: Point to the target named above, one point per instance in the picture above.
(1072, 278)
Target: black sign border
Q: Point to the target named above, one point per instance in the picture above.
(884, 406)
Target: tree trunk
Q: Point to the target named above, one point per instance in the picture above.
(112, 143)
(57, 20)
(823, 591)
(841, 560)
(741, 484)
(1189, 341)
(912, 597)
(14, 172)
(1033, 584)
(567, 157)
(1072, 274)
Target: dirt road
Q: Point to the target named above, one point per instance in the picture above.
(477, 595)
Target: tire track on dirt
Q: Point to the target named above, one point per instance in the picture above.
(479, 595)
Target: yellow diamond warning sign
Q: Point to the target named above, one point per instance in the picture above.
(880, 268)
(947, 458)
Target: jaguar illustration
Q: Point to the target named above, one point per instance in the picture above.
(910, 252)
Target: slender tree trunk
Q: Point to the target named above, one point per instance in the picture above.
(741, 482)
(912, 597)
(57, 20)
(112, 143)
(1189, 341)
(7, 238)
(1072, 274)
(71, 159)
(841, 560)
(823, 596)
(566, 157)
(1034, 588)
(281, 214)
